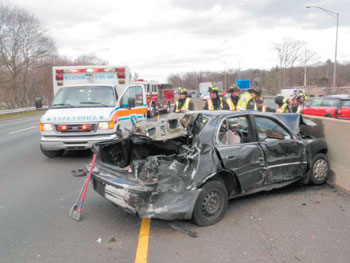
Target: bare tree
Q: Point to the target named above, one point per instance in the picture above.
(289, 52)
(90, 59)
(24, 46)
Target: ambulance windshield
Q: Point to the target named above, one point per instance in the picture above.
(85, 96)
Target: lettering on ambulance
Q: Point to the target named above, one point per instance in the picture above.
(102, 76)
(74, 77)
(74, 118)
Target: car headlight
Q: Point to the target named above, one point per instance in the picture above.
(105, 125)
(46, 127)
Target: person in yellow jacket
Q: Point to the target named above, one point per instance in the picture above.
(184, 103)
(283, 104)
(248, 99)
(215, 102)
(231, 102)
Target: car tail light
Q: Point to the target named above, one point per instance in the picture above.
(59, 77)
(59, 70)
(121, 75)
(99, 69)
(62, 127)
(120, 69)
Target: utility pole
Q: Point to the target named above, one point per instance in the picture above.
(336, 16)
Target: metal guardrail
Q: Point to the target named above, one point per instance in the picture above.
(21, 110)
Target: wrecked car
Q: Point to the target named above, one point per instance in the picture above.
(189, 165)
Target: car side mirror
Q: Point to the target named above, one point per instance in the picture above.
(274, 135)
(131, 102)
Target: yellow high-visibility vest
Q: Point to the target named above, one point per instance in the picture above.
(282, 109)
(244, 101)
(230, 103)
(211, 105)
(185, 106)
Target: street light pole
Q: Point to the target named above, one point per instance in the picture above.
(336, 16)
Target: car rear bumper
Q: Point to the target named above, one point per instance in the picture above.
(144, 200)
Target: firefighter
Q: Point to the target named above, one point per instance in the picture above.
(261, 105)
(298, 103)
(232, 101)
(184, 103)
(215, 102)
(283, 104)
(248, 99)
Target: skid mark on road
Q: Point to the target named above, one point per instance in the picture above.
(23, 129)
(142, 248)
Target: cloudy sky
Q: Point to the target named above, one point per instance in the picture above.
(159, 37)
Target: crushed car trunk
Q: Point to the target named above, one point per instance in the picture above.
(162, 170)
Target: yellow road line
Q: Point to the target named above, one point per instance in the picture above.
(142, 248)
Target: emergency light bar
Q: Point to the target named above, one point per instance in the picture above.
(91, 70)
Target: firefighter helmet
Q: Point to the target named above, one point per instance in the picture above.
(233, 88)
(182, 90)
(213, 89)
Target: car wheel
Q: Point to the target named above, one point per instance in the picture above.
(52, 154)
(211, 204)
(328, 115)
(320, 169)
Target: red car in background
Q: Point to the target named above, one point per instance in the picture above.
(335, 106)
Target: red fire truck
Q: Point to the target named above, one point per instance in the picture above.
(160, 97)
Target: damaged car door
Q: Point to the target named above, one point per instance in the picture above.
(285, 154)
(239, 152)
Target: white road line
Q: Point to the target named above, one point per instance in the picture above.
(23, 129)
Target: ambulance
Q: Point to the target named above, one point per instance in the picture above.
(91, 104)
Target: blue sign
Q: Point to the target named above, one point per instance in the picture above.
(243, 83)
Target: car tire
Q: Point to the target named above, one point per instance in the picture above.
(328, 115)
(320, 169)
(52, 154)
(211, 204)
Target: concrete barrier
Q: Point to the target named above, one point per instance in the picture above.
(337, 134)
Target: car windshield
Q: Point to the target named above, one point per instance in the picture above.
(316, 103)
(84, 96)
(330, 103)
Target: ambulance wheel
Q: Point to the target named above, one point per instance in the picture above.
(52, 154)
